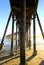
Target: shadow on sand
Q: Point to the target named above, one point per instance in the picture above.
(30, 58)
(42, 62)
(15, 56)
(9, 57)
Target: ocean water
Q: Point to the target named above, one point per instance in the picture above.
(7, 44)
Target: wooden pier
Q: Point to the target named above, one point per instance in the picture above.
(24, 11)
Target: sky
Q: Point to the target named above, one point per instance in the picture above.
(4, 14)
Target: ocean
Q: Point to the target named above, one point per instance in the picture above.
(7, 44)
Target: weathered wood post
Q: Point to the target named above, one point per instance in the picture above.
(27, 38)
(34, 35)
(12, 34)
(29, 41)
(16, 35)
(22, 31)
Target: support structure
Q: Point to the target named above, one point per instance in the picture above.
(12, 33)
(29, 41)
(27, 38)
(34, 35)
(16, 35)
(39, 24)
(23, 9)
(6, 27)
(22, 31)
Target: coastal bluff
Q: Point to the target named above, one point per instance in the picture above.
(14, 36)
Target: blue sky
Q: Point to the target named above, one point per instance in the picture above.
(5, 10)
(4, 14)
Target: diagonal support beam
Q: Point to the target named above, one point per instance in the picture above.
(40, 24)
(6, 27)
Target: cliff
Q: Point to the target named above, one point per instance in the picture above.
(14, 36)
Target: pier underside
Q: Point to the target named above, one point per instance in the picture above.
(24, 11)
(31, 7)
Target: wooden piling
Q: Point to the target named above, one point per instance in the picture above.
(34, 35)
(12, 34)
(22, 31)
(29, 41)
(16, 35)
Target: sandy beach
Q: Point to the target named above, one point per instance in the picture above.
(6, 59)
